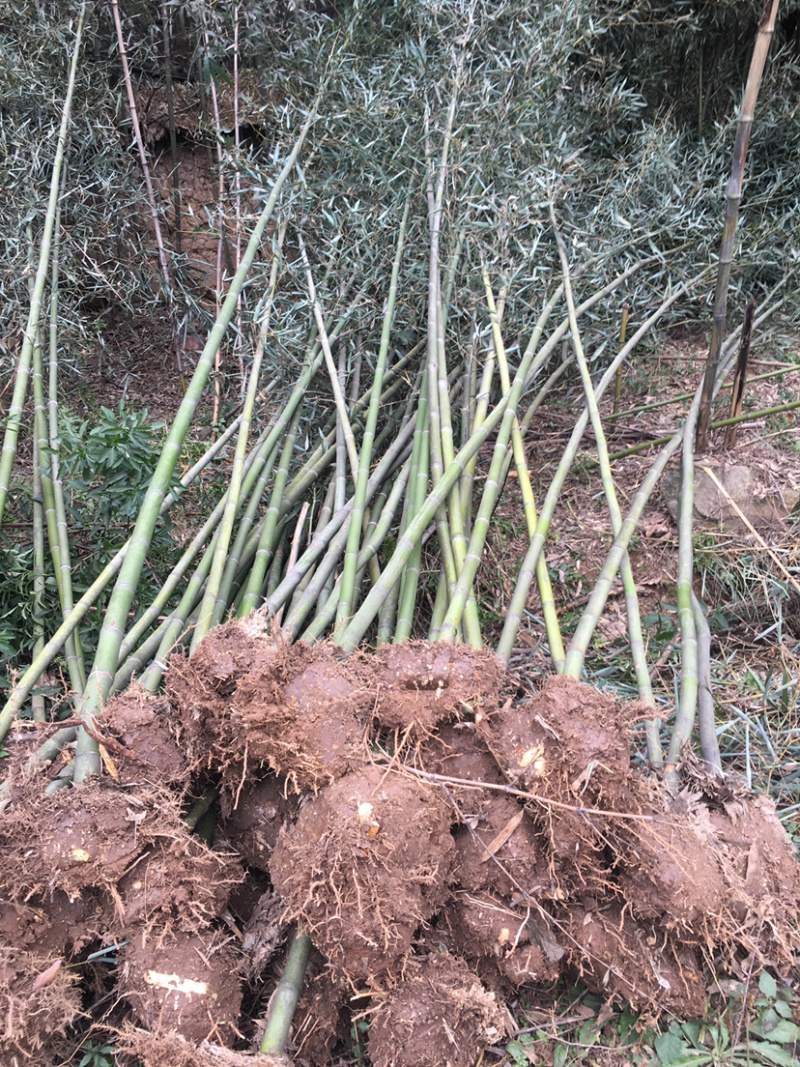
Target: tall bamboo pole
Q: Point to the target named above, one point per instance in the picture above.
(111, 634)
(29, 338)
(766, 26)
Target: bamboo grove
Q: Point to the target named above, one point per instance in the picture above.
(412, 303)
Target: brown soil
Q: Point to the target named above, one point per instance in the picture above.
(302, 714)
(568, 738)
(366, 863)
(252, 819)
(149, 754)
(418, 685)
(245, 701)
(200, 690)
(617, 956)
(506, 842)
(185, 983)
(166, 1049)
(438, 1016)
(510, 939)
(180, 883)
(37, 1002)
(53, 925)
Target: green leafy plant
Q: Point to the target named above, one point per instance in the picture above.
(107, 466)
(768, 1036)
(96, 1054)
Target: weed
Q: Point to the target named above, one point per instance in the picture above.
(96, 1054)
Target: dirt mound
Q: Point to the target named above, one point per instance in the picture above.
(367, 861)
(75, 839)
(438, 1016)
(618, 956)
(180, 883)
(200, 689)
(38, 1000)
(187, 983)
(418, 685)
(302, 714)
(516, 943)
(443, 847)
(569, 738)
(149, 752)
(251, 702)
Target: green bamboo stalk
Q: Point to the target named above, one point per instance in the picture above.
(22, 689)
(44, 498)
(37, 701)
(72, 646)
(687, 703)
(209, 604)
(418, 491)
(258, 470)
(554, 638)
(766, 25)
(276, 566)
(111, 634)
(341, 406)
(14, 417)
(528, 567)
(709, 745)
(268, 539)
(638, 653)
(437, 391)
(286, 996)
(438, 611)
(349, 638)
(490, 495)
(588, 621)
(369, 550)
(351, 554)
(338, 541)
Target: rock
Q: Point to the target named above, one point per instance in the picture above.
(764, 504)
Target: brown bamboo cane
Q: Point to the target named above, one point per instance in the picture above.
(766, 26)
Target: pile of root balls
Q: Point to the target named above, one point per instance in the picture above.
(442, 838)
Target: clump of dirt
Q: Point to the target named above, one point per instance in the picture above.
(302, 714)
(671, 869)
(617, 956)
(186, 983)
(167, 1049)
(200, 689)
(248, 701)
(53, 925)
(569, 739)
(438, 1016)
(418, 685)
(149, 752)
(252, 819)
(75, 839)
(367, 861)
(180, 883)
(497, 848)
(518, 944)
(38, 1000)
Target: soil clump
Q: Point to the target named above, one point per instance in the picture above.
(444, 841)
